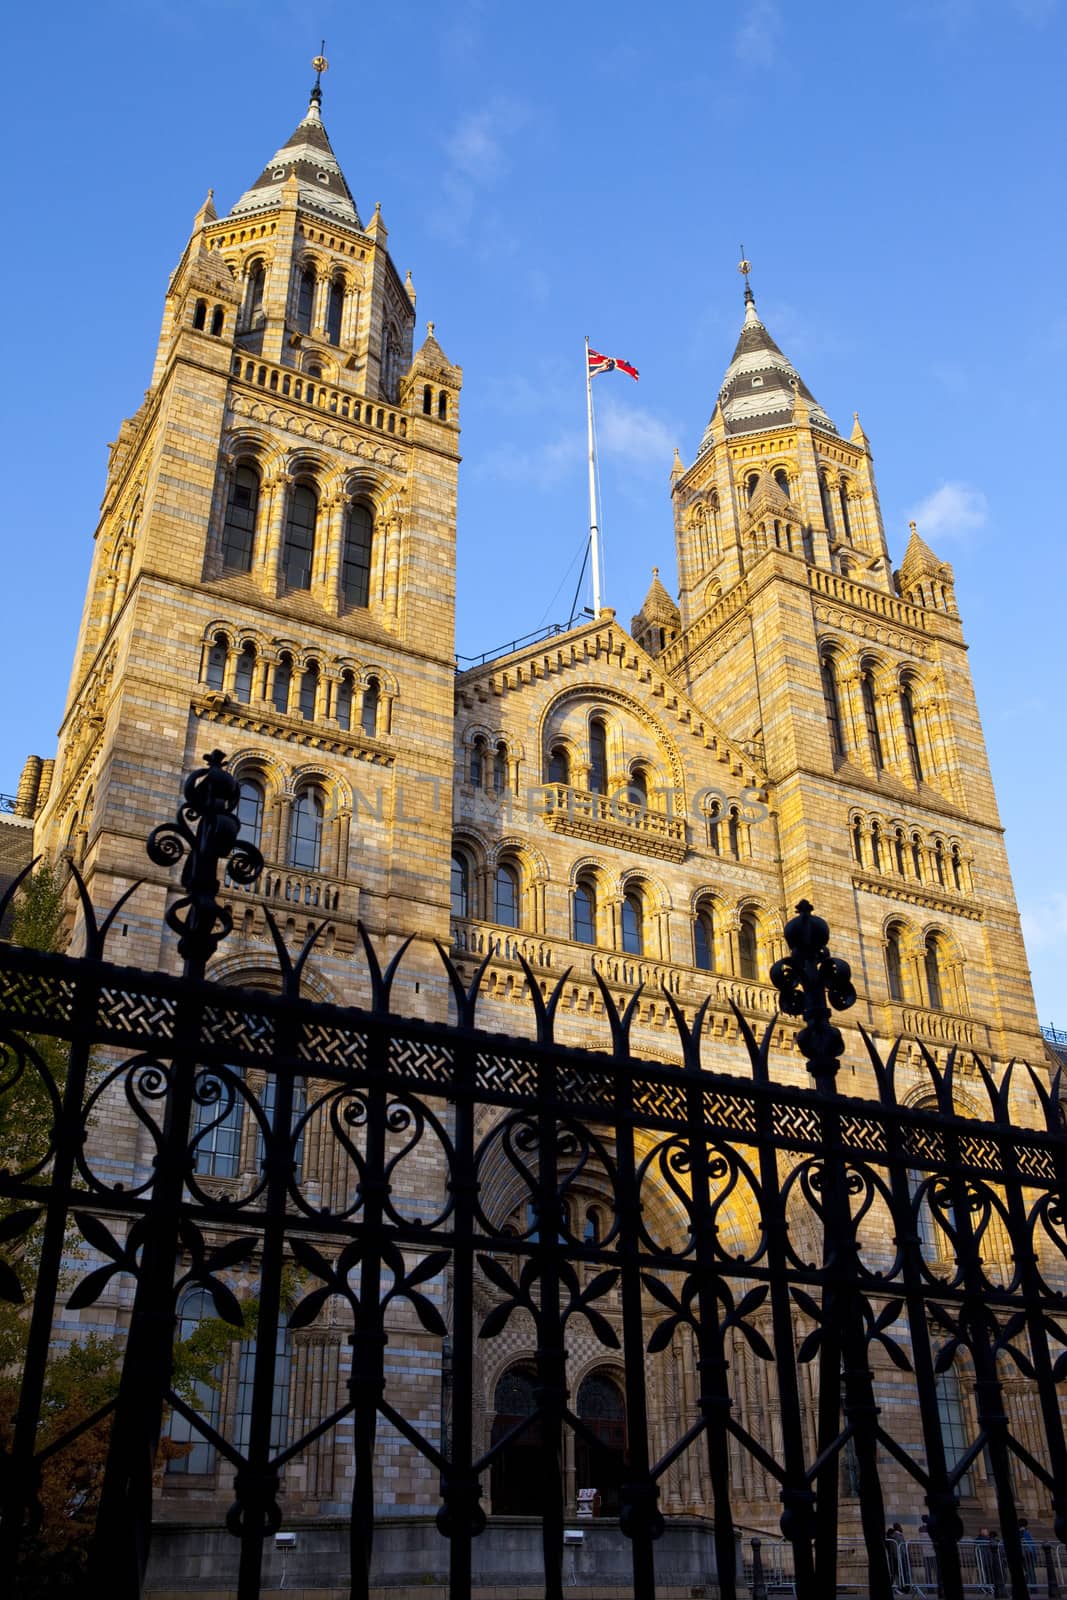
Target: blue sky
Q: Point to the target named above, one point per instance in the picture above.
(896, 173)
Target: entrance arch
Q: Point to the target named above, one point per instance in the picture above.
(515, 1478)
(602, 1407)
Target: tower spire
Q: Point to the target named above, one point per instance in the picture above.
(321, 65)
(744, 267)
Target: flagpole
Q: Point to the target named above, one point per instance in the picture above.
(594, 531)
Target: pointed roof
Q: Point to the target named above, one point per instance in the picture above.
(308, 155)
(919, 560)
(657, 607)
(761, 384)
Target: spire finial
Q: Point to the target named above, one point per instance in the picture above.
(913, 528)
(744, 267)
(321, 65)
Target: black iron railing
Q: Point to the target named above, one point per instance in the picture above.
(413, 1175)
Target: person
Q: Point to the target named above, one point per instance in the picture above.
(983, 1555)
(897, 1550)
(1029, 1547)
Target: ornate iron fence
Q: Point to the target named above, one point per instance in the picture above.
(870, 1223)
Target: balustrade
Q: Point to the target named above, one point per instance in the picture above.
(320, 396)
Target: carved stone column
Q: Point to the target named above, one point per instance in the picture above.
(272, 549)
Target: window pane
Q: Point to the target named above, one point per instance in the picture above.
(305, 842)
(242, 679)
(218, 1113)
(196, 1308)
(355, 566)
(334, 306)
(300, 537)
(585, 914)
(279, 1411)
(557, 766)
(632, 925)
(309, 691)
(507, 897)
(703, 942)
(250, 812)
(746, 949)
(215, 675)
(343, 703)
(305, 301)
(283, 675)
(460, 886)
(598, 758)
(370, 709)
(240, 523)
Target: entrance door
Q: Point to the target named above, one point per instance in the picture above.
(602, 1408)
(515, 1478)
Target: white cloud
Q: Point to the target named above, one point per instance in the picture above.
(638, 435)
(476, 157)
(1045, 921)
(545, 464)
(952, 511)
(756, 38)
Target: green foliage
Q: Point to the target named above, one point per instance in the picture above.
(37, 915)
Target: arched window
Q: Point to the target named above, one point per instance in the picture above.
(309, 691)
(442, 407)
(238, 530)
(602, 1409)
(898, 851)
(591, 1227)
(244, 674)
(750, 484)
(957, 868)
(558, 765)
(500, 768)
(200, 315)
(215, 667)
(305, 300)
(939, 862)
(355, 564)
(633, 924)
(369, 716)
(824, 497)
(704, 939)
(714, 818)
(300, 536)
(585, 911)
(637, 792)
(427, 400)
(917, 856)
(195, 1308)
(893, 967)
(334, 306)
(461, 884)
(343, 702)
(477, 767)
(870, 713)
(876, 846)
(506, 896)
(250, 811)
(932, 966)
(954, 1432)
(733, 832)
(846, 523)
(857, 840)
(598, 757)
(218, 321)
(516, 1479)
(305, 831)
(218, 1114)
(911, 738)
(279, 1411)
(748, 946)
(781, 478)
(283, 678)
(254, 294)
(833, 708)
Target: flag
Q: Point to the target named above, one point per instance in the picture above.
(599, 363)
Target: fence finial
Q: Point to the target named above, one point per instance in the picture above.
(806, 979)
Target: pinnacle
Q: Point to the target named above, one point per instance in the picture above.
(762, 387)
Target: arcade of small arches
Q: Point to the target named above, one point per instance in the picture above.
(207, 318)
(300, 533)
(600, 766)
(302, 684)
(883, 716)
(924, 967)
(633, 915)
(889, 848)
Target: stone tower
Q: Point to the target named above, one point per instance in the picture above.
(852, 681)
(273, 574)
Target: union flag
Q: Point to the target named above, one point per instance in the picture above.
(599, 363)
